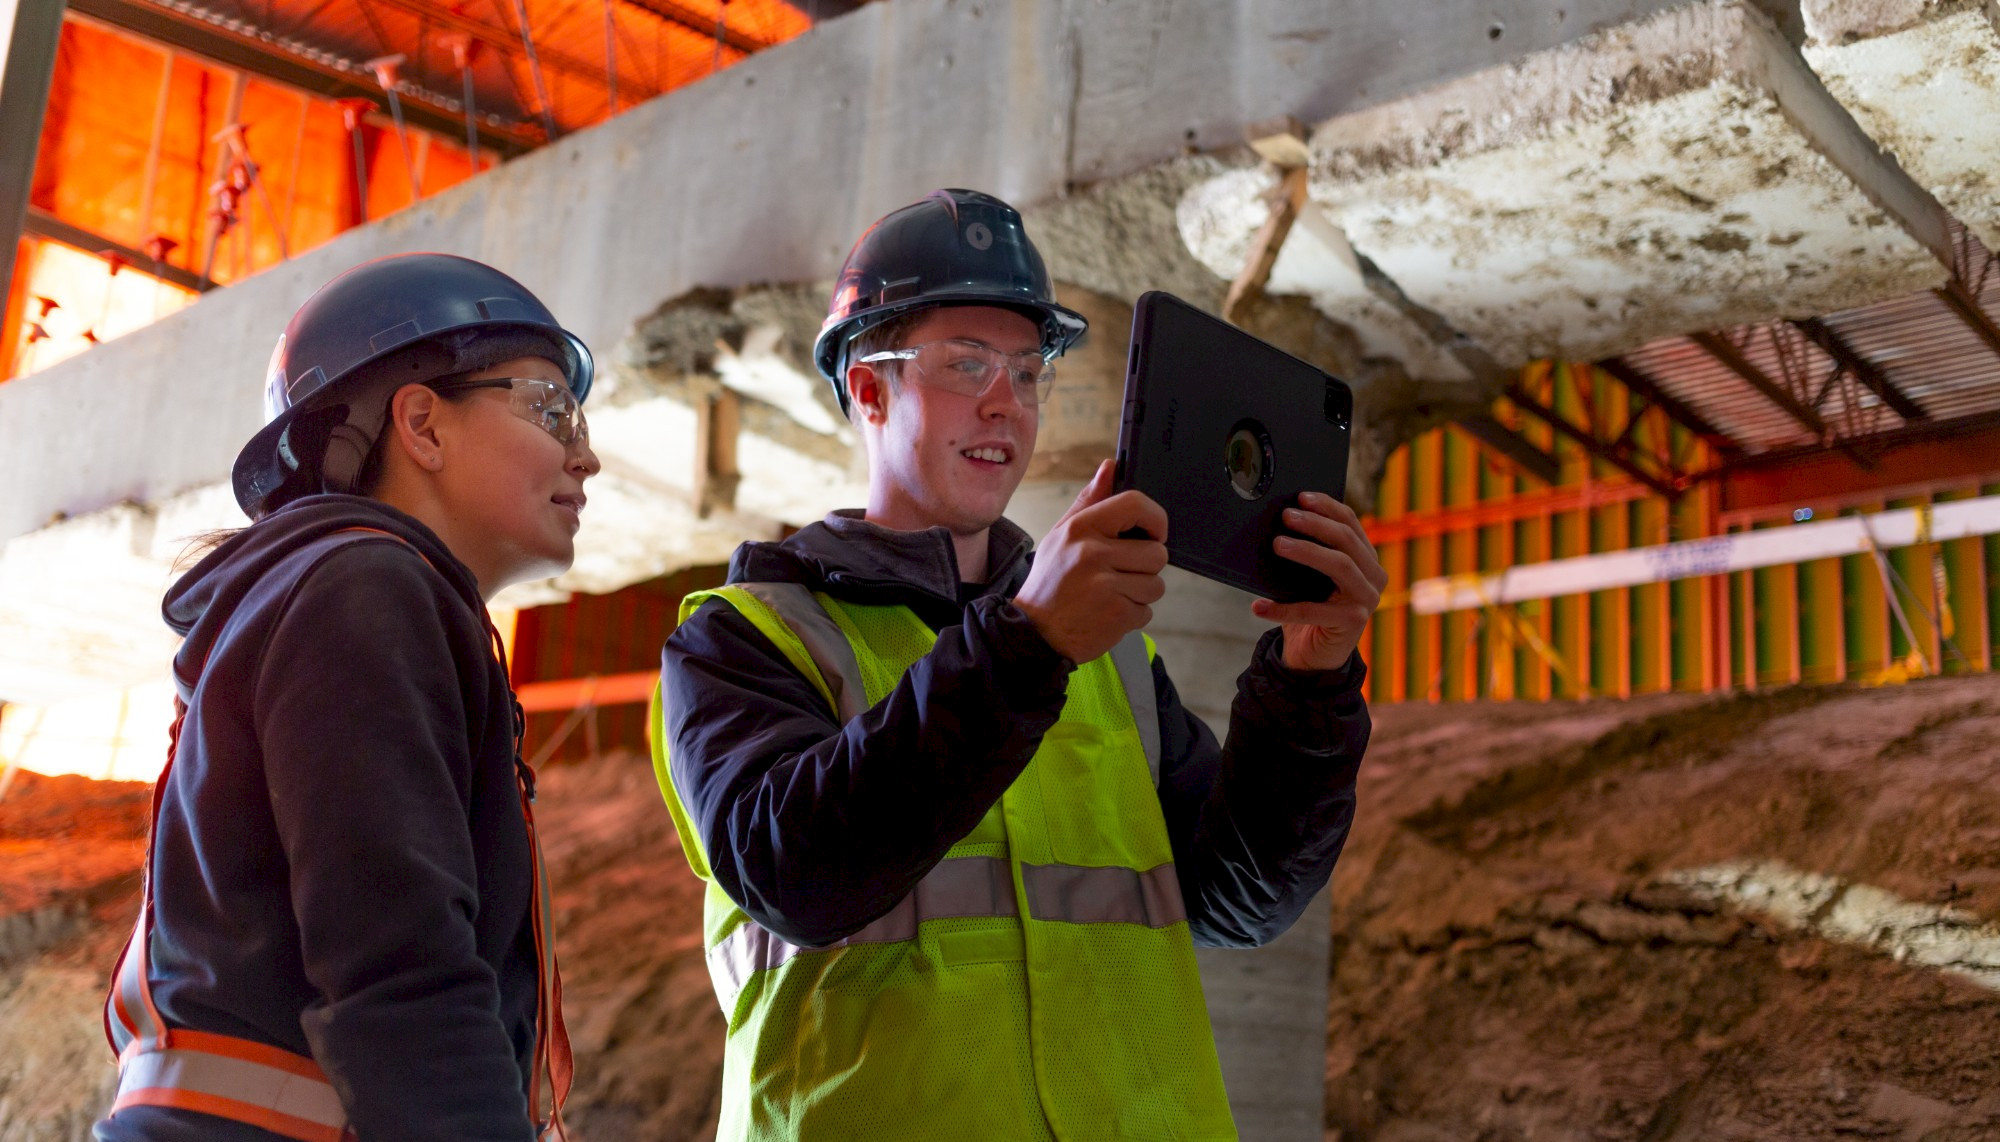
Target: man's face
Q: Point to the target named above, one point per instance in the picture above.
(940, 458)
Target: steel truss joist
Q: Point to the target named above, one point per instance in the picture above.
(1620, 451)
(1647, 389)
(1966, 305)
(506, 40)
(1724, 350)
(695, 21)
(316, 72)
(1487, 429)
(1972, 264)
(1790, 351)
(42, 224)
(1862, 369)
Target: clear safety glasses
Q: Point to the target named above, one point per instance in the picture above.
(967, 367)
(548, 405)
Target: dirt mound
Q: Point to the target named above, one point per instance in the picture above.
(1674, 918)
(1532, 940)
(642, 1015)
(70, 850)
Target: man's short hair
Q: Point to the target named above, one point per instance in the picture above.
(879, 339)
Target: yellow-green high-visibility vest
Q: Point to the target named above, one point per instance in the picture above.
(1038, 983)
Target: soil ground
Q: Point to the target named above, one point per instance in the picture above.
(1519, 951)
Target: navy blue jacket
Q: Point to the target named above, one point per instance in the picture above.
(816, 828)
(340, 865)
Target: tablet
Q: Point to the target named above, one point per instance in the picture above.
(1224, 431)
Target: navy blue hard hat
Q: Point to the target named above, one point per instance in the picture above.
(432, 315)
(952, 247)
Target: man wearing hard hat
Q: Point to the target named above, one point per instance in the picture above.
(960, 835)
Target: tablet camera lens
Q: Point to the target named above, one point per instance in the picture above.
(1247, 459)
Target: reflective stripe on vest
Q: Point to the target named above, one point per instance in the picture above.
(1074, 894)
(955, 889)
(964, 887)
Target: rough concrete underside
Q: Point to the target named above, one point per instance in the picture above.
(1682, 172)
(1923, 79)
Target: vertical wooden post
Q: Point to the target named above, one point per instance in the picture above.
(1460, 489)
(1500, 638)
(1873, 639)
(717, 421)
(1747, 606)
(1968, 584)
(1573, 538)
(1822, 622)
(1543, 386)
(1394, 499)
(1427, 495)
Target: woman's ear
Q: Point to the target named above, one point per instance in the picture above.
(413, 422)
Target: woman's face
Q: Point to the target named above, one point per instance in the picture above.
(511, 493)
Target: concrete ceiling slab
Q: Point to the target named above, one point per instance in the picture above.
(1923, 78)
(1684, 171)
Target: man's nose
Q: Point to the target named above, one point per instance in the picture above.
(1000, 397)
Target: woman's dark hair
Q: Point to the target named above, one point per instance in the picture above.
(365, 482)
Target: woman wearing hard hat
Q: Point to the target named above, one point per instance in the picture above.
(344, 929)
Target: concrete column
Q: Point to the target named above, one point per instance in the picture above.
(29, 31)
(1268, 1006)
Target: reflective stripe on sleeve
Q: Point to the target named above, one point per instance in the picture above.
(954, 889)
(235, 1079)
(1075, 894)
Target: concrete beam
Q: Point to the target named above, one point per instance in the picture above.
(1923, 78)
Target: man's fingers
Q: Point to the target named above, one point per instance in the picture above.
(1340, 536)
(1327, 507)
(1144, 590)
(1094, 492)
(1137, 556)
(1336, 565)
(1129, 511)
(1304, 614)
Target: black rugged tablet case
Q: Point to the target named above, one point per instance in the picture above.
(1225, 430)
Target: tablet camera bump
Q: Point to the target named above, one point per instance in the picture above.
(1248, 459)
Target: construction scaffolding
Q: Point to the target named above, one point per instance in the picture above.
(1456, 513)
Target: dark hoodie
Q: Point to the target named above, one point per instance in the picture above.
(816, 828)
(340, 864)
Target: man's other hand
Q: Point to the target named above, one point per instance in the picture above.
(1329, 539)
(1089, 587)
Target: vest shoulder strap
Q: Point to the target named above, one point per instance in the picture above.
(1133, 659)
(794, 621)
